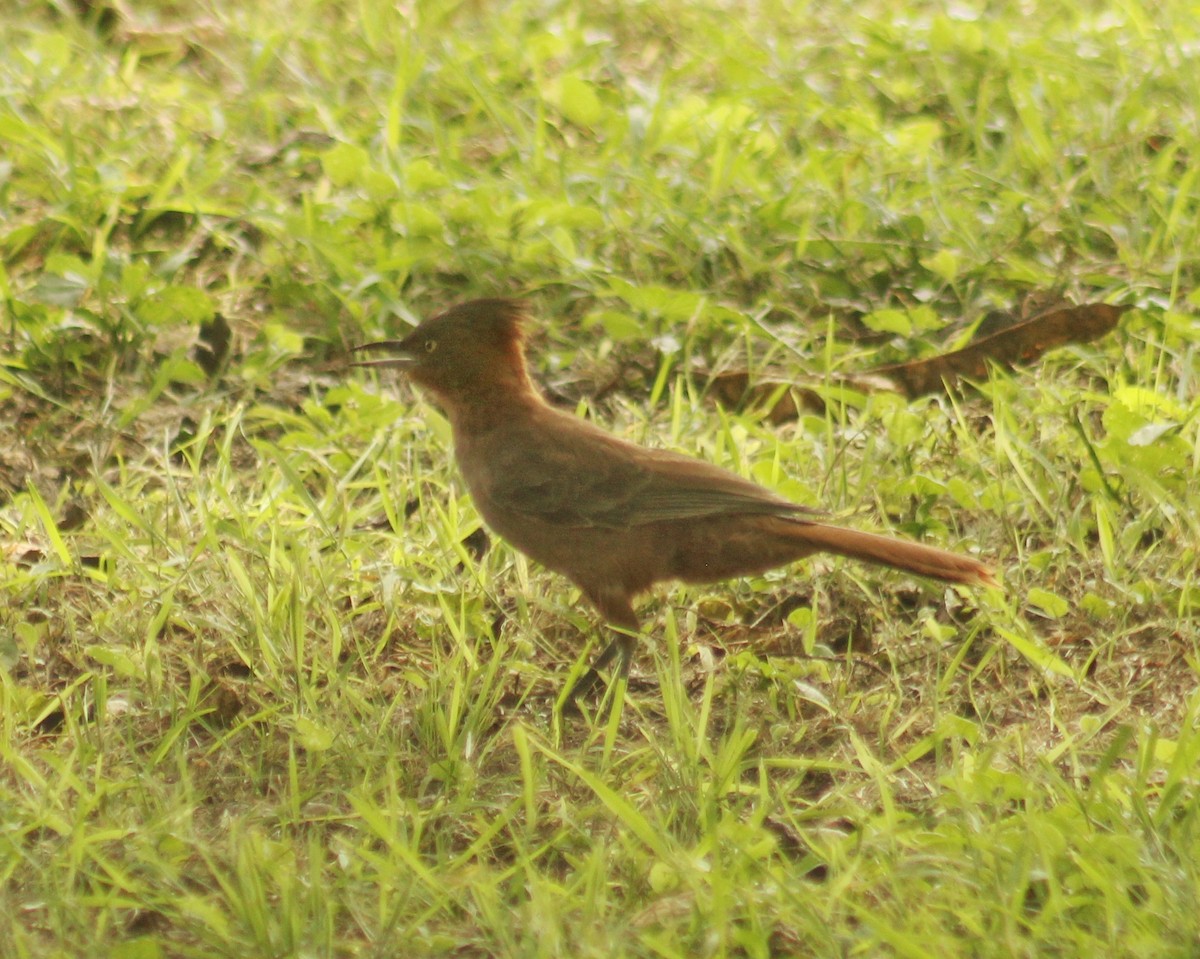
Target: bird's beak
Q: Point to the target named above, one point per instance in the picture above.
(403, 356)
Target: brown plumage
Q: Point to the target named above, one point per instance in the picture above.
(613, 517)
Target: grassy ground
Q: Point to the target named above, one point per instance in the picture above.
(265, 691)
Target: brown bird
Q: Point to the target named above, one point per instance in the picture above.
(613, 517)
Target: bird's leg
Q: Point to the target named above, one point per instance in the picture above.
(621, 648)
(614, 603)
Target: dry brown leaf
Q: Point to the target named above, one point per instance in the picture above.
(1022, 342)
(733, 390)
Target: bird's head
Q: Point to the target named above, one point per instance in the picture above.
(463, 352)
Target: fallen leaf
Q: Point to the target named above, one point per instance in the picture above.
(733, 390)
(1021, 342)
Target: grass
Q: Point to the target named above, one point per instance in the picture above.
(265, 689)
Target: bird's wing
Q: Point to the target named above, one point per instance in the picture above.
(681, 487)
(586, 477)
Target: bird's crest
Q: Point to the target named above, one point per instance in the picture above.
(497, 318)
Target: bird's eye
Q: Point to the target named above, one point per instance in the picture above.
(430, 346)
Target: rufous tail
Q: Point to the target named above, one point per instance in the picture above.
(899, 554)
